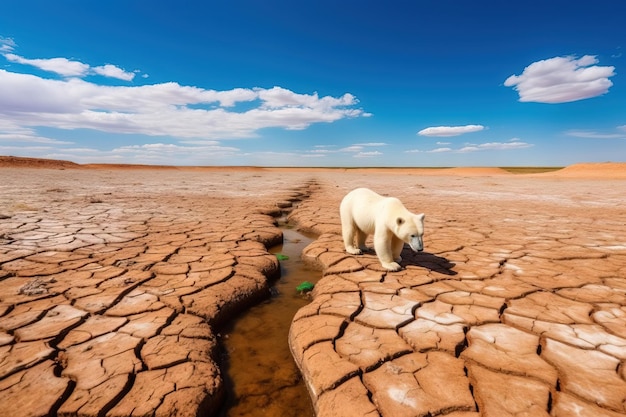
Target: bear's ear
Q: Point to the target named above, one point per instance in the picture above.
(420, 217)
(399, 221)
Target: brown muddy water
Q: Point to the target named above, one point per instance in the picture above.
(261, 377)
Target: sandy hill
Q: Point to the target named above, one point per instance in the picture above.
(21, 162)
(609, 170)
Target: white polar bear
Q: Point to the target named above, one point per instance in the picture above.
(363, 212)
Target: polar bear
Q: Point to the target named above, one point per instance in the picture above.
(364, 212)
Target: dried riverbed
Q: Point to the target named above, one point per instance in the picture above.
(262, 378)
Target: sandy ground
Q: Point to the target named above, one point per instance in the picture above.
(113, 281)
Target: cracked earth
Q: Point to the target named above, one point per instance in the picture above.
(517, 306)
(114, 284)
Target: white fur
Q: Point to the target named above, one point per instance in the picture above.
(363, 213)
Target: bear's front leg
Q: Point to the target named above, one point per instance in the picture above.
(353, 251)
(397, 246)
(361, 237)
(348, 232)
(382, 245)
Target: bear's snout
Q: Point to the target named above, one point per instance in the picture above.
(416, 243)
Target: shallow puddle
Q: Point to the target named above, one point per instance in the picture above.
(261, 377)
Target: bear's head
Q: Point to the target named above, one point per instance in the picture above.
(411, 229)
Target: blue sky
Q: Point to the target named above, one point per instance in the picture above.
(323, 83)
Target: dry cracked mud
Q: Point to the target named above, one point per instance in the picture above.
(114, 282)
(517, 306)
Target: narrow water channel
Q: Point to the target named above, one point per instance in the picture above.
(262, 378)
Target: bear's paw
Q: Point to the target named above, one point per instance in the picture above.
(354, 251)
(391, 266)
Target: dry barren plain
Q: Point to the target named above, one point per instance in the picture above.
(114, 282)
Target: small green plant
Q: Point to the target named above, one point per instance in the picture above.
(306, 286)
(281, 257)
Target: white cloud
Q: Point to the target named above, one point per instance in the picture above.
(11, 132)
(193, 116)
(438, 150)
(279, 97)
(61, 66)
(357, 149)
(589, 134)
(353, 148)
(512, 144)
(445, 131)
(371, 144)
(7, 45)
(41, 151)
(169, 150)
(162, 109)
(367, 154)
(498, 146)
(324, 148)
(561, 80)
(112, 71)
(26, 138)
(153, 153)
(64, 66)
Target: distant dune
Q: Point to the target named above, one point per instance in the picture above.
(609, 170)
(20, 162)
(616, 170)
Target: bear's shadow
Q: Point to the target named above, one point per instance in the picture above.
(427, 260)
